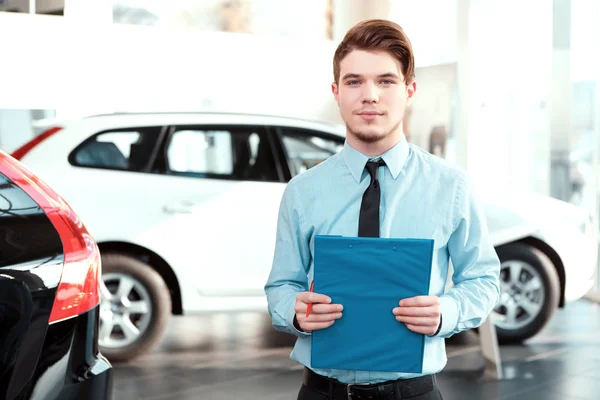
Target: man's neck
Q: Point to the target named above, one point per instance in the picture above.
(375, 149)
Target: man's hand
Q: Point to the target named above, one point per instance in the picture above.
(421, 314)
(322, 315)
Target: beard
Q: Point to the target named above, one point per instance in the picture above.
(372, 137)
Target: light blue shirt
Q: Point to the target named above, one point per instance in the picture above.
(422, 196)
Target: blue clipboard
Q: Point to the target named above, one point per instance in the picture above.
(369, 276)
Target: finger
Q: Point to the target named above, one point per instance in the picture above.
(326, 308)
(300, 307)
(322, 317)
(314, 326)
(310, 297)
(425, 330)
(420, 321)
(318, 308)
(417, 311)
(419, 301)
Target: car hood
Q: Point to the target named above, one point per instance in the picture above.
(519, 214)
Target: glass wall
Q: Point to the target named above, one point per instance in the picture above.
(585, 73)
(585, 110)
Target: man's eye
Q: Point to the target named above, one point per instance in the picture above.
(387, 82)
(353, 82)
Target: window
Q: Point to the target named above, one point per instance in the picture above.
(305, 149)
(239, 153)
(130, 149)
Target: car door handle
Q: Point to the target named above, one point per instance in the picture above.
(178, 208)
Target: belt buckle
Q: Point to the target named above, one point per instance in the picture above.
(350, 386)
(349, 390)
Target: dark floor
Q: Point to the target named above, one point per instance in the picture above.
(242, 357)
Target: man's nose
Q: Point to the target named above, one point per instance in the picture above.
(370, 93)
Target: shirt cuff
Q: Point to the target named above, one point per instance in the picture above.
(449, 309)
(290, 321)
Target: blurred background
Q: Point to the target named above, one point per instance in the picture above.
(508, 90)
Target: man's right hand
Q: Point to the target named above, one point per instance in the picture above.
(322, 315)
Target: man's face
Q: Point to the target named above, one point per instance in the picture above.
(371, 94)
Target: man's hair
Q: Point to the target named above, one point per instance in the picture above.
(373, 35)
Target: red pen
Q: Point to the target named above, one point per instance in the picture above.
(312, 289)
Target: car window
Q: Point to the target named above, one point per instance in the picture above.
(228, 153)
(130, 150)
(306, 149)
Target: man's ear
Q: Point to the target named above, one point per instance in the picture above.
(336, 92)
(411, 89)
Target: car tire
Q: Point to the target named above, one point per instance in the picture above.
(150, 283)
(530, 261)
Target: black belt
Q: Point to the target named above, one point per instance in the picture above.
(401, 388)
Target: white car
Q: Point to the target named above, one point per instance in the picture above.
(184, 209)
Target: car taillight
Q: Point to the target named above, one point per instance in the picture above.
(78, 290)
(27, 147)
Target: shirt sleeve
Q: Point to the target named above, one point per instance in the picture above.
(288, 274)
(476, 267)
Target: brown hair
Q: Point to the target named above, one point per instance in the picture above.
(377, 34)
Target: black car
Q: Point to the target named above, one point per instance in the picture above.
(50, 272)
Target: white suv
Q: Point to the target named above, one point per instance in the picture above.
(184, 209)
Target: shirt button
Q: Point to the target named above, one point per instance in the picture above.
(349, 246)
(393, 248)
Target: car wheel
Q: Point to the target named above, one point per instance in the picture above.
(529, 293)
(135, 307)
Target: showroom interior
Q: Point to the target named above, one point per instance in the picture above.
(508, 91)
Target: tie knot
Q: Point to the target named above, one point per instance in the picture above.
(372, 167)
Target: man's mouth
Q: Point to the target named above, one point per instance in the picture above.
(369, 115)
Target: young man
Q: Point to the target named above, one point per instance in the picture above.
(379, 185)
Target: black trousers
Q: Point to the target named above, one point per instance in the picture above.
(307, 393)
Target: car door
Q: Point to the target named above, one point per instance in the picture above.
(109, 183)
(220, 189)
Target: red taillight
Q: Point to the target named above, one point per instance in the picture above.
(26, 148)
(78, 290)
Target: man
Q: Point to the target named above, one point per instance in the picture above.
(379, 185)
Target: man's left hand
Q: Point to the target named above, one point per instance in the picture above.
(421, 314)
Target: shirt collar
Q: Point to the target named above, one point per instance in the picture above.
(394, 159)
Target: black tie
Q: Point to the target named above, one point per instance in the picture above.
(368, 221)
